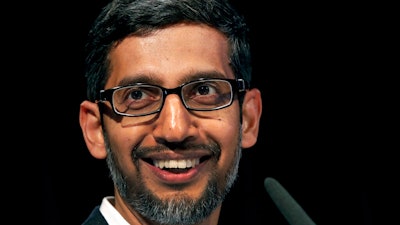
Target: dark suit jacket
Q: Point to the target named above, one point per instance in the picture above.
(95, 218)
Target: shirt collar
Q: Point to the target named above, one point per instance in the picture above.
(112, 216)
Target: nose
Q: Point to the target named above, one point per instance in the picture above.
(174, 123)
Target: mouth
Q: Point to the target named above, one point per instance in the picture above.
(177, 165)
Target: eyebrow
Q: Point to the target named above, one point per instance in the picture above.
(151, 79)
(141, 78)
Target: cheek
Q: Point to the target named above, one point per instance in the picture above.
(228, 138)
(225, 130)
(123, 140)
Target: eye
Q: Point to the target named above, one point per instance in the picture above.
(137, 98)
(205, 89)
(142, 95)
(137, 94)
(131, 94)
(202, 94)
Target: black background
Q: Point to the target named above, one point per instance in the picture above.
(327, 133)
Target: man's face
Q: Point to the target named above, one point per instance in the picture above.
(206, 144)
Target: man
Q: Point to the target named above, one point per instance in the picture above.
(169, 107)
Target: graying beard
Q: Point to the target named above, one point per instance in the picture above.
(178, 209)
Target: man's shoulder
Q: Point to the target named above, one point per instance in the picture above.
(95, 218)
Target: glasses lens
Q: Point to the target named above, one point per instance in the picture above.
(137, 100)
(207, 94)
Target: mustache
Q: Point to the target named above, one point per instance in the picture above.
(141, 151)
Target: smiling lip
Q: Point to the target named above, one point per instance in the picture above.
(176, 163)
(174, 177)
(173, 168)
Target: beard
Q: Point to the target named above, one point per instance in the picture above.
(180, 208)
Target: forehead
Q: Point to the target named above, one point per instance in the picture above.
(171, 56)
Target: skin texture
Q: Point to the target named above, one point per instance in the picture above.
(170, 57)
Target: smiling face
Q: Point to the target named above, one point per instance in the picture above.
(176, 165)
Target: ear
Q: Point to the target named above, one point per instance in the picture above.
(90, 122)
(251, 114)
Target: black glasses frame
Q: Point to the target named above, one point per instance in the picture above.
(238, 86)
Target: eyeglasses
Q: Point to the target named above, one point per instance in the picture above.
(143, 99)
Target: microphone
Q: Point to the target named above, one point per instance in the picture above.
(286, 204)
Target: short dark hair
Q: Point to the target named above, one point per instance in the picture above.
(122, 18)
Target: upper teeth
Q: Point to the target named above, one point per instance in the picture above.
(181, 163)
